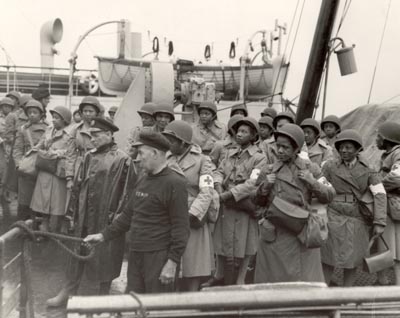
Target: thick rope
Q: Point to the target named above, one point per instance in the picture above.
(31, 234)
(56, 238)
(26, 258)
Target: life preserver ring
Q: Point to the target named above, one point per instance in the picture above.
(89, 83)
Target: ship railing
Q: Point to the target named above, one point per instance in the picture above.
(263, 300)
(27, 78)
(13, 287)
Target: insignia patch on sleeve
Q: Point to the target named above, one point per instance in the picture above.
(324, 181)
(206, 181)
(254, 174)
(377, 188)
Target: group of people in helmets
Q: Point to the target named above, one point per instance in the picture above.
(262, 168)
(283, 199)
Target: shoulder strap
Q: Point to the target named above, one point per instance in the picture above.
(28, 133)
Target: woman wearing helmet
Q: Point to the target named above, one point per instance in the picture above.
(146, 113)
(283, 118)
(388, 140)
(198, 258)
(220, 148)
(50, 194)
(208, 129)
(318, 151)
(28, 137)
(240, 109)
(89, 108)
(330, 125)
(266, 133)
(163, 115)
(285, 190)
(236, 231)
(349, 220)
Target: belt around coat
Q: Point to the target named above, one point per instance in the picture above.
(348, 198)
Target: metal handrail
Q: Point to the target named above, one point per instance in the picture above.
(46, 68)
(12, 235)
(268, 298)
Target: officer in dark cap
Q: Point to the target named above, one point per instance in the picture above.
(105, 174)
(158, 219)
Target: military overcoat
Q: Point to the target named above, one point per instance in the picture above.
(236, 233)
(281, 256)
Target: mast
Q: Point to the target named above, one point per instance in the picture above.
(316, 60)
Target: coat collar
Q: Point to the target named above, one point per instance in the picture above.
(215, 123)
(284, 173)
(315, 149)
(58, 133)
(252, 150)
(350, 176)
(40, 126)
(386, 153)
(188, 160)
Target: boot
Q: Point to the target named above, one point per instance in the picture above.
(60, 300)
(231, 270)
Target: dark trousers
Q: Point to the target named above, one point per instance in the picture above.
(144, 269)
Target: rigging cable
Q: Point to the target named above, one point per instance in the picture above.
(287, 43)
(379, 51)
(344, 13)
(391, 98)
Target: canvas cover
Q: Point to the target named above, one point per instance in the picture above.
(366, 120)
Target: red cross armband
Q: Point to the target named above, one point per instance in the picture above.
(377, 189)
(206, 181)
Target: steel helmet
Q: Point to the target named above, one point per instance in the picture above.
(92, 101)
(209, 106)
(148, 109)
(164, 108)
(233, 120)
(64, 112)
(293, 132)
(239, 107)
(390, 131)
(331, 119)
(266, 120)
(7, 101)
(310, 122)
(113, 109)
(270, 112)
(287, 115)
(24, 99)
(179, 129)
(33, 103)
(102, 110)
(14, 94)
(250, 121)
(349, 135)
